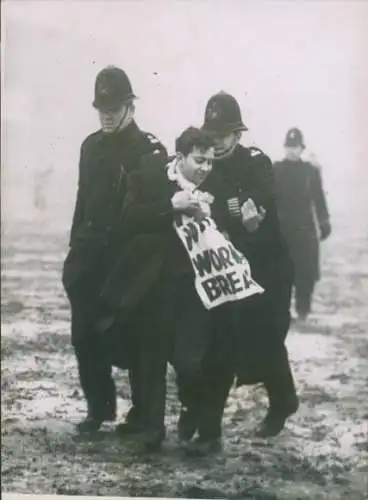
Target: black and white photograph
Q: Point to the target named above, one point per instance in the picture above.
(184, 249)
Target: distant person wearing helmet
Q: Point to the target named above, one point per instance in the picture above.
(248, 203)
(304, 216)
(106, 157)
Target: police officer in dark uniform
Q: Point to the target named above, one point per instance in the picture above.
(304, 216)
(249, 208)
(106, 157)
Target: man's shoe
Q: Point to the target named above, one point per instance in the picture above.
(93, 422)
(132, 424)
(150, 441)
(201, 447)
(187, 424)
(128, 428)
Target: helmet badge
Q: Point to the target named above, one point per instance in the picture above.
(213, 112)
(102, 87)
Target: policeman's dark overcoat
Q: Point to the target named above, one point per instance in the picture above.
(96, 233)
(247, 173)
(303, 212)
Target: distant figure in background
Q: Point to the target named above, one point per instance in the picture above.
(303, 215)
(40, 187)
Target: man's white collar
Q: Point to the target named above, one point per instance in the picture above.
(174, 174)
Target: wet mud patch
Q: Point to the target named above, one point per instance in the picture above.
(321, 454)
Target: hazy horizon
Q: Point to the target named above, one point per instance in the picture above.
(289, 64)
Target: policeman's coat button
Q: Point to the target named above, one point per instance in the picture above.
(89, 223)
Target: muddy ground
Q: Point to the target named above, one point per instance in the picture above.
(322, 454)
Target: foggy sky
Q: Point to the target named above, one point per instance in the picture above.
(288, 63)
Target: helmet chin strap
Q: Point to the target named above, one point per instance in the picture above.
(121, 125)
(228, 152)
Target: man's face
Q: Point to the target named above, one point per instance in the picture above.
(111, 120)
(294, 153)
(224, 142)
(197, 165)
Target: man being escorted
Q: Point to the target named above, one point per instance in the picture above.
(166, 215)
(304, 216)
(249, 206)
(151, 289)
(106, 157)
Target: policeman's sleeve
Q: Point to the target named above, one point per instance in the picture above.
(78, 214)
(223, 218)
(264, 194)
(156, 157)
(319, 199)
(141, 215)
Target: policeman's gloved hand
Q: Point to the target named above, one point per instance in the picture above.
(325, 231)
(251, 216)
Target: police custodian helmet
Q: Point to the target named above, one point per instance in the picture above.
(112, 89)
(222, 115)
(294, 138)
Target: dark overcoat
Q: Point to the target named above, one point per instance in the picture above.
(265, 319)
(152, 245)
(97, 235)
(154, 252)
(154, 271)
(303, 211)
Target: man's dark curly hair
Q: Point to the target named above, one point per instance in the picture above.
(193, 138)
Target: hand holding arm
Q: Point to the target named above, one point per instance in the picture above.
(251, 216)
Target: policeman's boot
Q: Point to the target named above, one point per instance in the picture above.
(303, 299)
(101, 408)
(283, 402)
